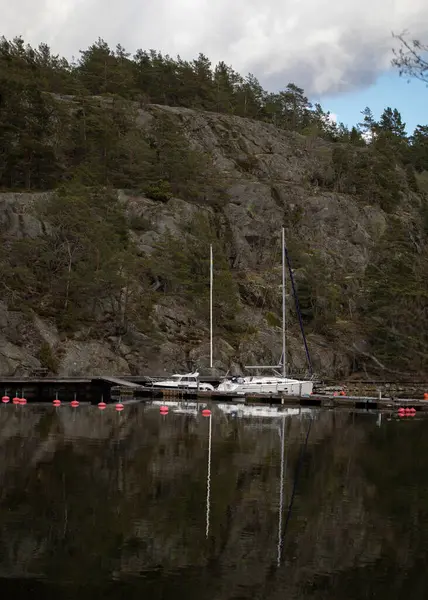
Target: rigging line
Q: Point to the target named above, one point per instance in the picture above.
(261, 301)
(296, 478)
(277, 246)
(285, 311)
(299, 314)
(271, 264)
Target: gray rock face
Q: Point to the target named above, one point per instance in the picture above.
(16, 215)
(91, 358)
(265, 173)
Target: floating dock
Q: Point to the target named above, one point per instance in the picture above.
(312, 401)
(109, 389)
(45, 389)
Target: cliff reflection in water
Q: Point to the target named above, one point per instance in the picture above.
(99, 504)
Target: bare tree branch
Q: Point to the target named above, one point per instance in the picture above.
(411, 58)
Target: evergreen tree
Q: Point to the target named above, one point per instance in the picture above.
(368, 125)
(397, 295)
(391, 122)
(252, 97)
(225, 88)
(355, 137)
(30, 153)
(102, 71)
(203, 82)
(294, 107)
(419, 148)
(143, 74)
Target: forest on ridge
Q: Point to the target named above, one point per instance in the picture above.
(76, 129)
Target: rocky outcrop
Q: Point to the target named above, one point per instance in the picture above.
(269, 178)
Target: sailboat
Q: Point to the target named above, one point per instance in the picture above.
(186, 381)
(276, 383)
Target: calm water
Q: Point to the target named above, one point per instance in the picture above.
(138, 505)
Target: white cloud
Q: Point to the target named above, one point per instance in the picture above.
(324, 46)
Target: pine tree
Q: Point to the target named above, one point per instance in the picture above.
(102, 71)
(356, 138)
(368, 125)
(397, 296)
(391, 122)
(419, 148)
(225, 88)
(203, 81)
(251, 97)
(143, 75)
(295, 108)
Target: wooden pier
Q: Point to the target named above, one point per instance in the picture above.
(45, 389)
(108, 388)
(328, 401)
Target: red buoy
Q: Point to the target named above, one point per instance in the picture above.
(16, 400)
(164, 410)
(22, 401)
(5, 399)
(206, 412)
(74, 403)
(102, 405)
(56, 402)
(119, 406)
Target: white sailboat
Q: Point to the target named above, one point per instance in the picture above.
(176, 407)
(260, 411)
(271, 384)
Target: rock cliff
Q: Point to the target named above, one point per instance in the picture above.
(268, 178)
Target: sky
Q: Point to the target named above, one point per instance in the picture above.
(339, 51)
(411, 99)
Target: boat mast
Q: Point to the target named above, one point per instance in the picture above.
(284, 365)
(211, 306)
(281, 494)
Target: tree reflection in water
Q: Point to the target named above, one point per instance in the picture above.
(99, 504)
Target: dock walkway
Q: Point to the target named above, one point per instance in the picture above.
(109, 388)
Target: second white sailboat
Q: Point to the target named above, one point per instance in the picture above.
(273, 384)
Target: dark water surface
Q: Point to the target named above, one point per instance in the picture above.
(138, 505)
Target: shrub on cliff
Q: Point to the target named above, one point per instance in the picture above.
(181, 266)
(84, 260)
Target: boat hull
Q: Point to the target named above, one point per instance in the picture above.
(294, 388)
(191, 387)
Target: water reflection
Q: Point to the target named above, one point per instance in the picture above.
(281, 492)
(210, 428)
(308, 505)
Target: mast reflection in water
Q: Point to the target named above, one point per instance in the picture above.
(139, 505)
